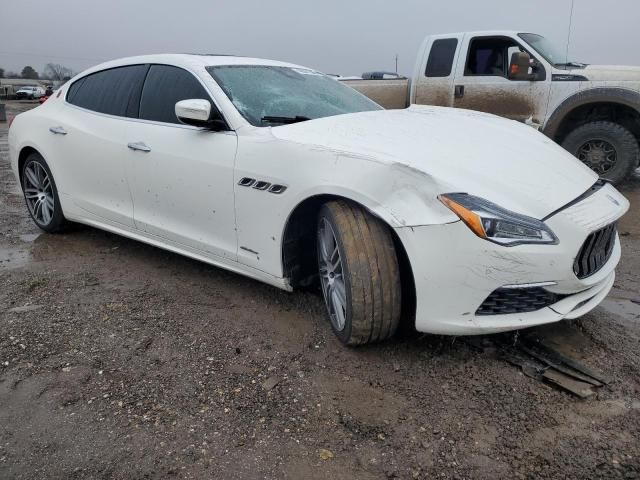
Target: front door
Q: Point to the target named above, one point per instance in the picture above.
(482, 83)
(182, 176)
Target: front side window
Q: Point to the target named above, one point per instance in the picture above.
(115, 91)
(269, 95)
(488, 57)
(164, 87)
(440, 60)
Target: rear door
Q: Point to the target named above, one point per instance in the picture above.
(87, 136)
(482, 82)
(433, 77)
(182, 175)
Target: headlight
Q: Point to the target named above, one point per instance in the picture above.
(491, 222)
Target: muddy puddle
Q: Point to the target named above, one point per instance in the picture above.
(11, 258)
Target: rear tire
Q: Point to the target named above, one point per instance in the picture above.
(607, 148)
(41, 195)
(363, 292)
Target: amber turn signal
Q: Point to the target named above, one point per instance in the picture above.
(471, 219)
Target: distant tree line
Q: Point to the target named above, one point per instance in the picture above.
(52, 71)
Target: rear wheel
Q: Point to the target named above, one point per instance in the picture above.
(359, 274)
(607, 148)
(41, 195)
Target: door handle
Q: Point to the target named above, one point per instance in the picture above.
(58, 130)
(140, 146)
(458, 91)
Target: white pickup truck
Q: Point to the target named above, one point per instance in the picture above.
(592, 111)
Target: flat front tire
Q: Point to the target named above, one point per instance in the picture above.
(359, 274)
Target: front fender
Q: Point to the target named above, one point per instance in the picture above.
(622, 96)
(399, 195)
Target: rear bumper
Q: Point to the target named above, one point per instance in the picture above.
(454, 271)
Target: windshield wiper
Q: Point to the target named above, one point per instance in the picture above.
(283, 120)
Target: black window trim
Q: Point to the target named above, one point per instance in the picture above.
(494, 37)
(214, 104)
(84, 77)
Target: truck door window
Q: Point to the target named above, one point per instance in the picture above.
(488, 57)
(440, 60)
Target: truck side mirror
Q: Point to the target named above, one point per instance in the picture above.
(519, 66)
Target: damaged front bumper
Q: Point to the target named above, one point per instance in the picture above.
(455, 272)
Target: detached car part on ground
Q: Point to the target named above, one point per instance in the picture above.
(592, 111)
(282, 174)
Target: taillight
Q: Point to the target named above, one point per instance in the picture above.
(11, 121)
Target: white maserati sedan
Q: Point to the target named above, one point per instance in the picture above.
(463, 222)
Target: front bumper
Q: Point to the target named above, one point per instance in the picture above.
(455, 271)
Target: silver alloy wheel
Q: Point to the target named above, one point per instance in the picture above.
(38, 192)
(331, 275)
(598, 155)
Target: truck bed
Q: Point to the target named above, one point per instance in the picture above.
(392, 93)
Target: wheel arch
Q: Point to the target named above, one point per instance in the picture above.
(619, 105)
(298, 248)
(24, 153)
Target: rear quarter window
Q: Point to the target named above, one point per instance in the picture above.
(115, 91)
(440, 62)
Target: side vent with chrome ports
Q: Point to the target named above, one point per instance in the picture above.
(261, 185)
(275, 188)
(246, 182)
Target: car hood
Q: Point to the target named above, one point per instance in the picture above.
(609, 72)
(500, 160)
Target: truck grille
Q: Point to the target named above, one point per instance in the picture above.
(517, 300)
(595, 251)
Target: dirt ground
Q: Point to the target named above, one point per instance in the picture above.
(122, 361)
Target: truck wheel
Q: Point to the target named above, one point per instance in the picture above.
(607, 148)
(359, 274)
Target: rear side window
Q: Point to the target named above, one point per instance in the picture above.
(441, 56)
(164, 87)
(115, 91)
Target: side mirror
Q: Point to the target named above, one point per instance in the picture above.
(519, 67)
(199, 113)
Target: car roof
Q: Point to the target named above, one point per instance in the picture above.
(189, 61)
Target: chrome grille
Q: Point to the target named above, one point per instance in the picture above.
(595, 251)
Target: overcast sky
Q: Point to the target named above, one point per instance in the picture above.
(334, 36)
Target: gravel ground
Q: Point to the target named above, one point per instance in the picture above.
(120, 360)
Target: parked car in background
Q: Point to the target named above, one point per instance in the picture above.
(283, 174)
(30, 93)
(592, 111)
